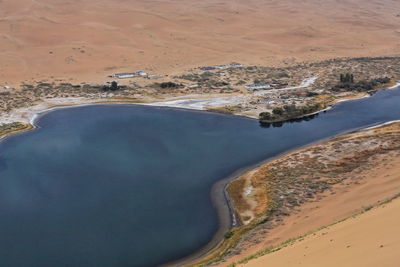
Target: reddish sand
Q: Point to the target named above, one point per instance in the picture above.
(84, 40)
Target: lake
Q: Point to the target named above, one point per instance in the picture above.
(129, 185)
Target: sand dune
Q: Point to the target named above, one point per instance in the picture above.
(87, 39)
(368, 240)
(373, 181)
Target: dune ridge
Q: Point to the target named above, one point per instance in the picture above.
(84, 40)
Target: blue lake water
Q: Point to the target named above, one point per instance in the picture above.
(126, 185)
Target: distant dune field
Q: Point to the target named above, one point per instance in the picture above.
(84, 40)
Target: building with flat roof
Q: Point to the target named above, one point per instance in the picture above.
(258, 86)
(126, 75)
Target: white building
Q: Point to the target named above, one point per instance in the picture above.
(123, 75)
(126, 75)
(153, 77)
(141, 73)
(258, 86)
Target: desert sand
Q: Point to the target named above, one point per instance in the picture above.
(368, 240)
(374, 181)
(84, 40)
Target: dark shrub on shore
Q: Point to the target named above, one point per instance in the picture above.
(169, 85)
(112, 87)
(347, 83)
(288, 112)
(228, 234)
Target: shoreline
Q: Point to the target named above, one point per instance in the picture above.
(334, 103)
(237, 174)
(219, 194)
(30, 114)
(339, 190)
(201, 102)
(209, 249)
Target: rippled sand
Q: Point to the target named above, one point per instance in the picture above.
(86, 40)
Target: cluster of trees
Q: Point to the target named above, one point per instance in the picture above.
(113, 86)
(288, 112)
(206, 79)
(203, 77)
(165, 85)
(347, 83)
(295, 120)
(347, 78)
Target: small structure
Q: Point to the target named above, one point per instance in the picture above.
(222, 67)
(258, 86)
(227, 66)
(141, 73)
(126, 75)
(208, 68)
(193, 86)
(232, 65)
(153, 77)
(123, 75)
(236, 65)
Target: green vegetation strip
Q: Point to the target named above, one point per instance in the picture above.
(232, 238)
(14, 127)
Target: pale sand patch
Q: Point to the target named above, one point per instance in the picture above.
(29, 114)
(304, 84)
(368, 240)
(202, 104)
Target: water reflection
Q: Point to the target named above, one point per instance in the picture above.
(296, 120)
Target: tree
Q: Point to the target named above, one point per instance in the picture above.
(290, 108)
(265, 116)
(277, 111)
(114, 86)
(228, 234)
(168, 85)
(347, 78)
